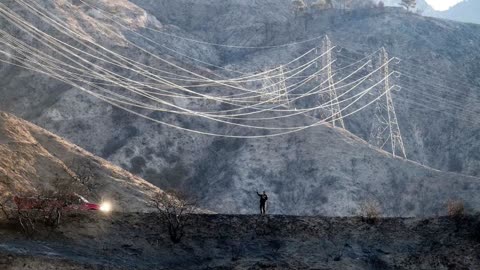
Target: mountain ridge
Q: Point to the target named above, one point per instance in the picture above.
(466, 11)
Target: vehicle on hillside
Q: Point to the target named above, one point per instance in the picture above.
(70, 202)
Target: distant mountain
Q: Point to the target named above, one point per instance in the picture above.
(466, 11)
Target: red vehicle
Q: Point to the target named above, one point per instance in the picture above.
(66, 202)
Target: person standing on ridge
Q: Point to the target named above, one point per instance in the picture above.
(263, 202)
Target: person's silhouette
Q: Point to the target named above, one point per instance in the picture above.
(263, 202)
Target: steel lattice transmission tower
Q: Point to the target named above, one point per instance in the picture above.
(274, 88)
(282, 88)
(268, 90)
(385, 131)
(330, 97)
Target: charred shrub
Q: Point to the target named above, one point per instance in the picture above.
(456, 209)
(174, 209)
(370, 211)
(33, 213)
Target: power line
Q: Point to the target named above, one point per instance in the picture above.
(79, 62)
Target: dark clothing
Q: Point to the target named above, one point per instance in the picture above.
(263, 202)
(263, 198)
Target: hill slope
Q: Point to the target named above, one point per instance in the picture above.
(441, 56)
(33, 159)
(320, 171)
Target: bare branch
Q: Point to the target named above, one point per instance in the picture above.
(174, 209)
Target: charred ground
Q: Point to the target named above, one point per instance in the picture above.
(139, 241)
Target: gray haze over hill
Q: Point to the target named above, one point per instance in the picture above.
(319, 171)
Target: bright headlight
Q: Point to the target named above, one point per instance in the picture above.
(106, 207)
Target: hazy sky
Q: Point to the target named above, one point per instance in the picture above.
(442, 4)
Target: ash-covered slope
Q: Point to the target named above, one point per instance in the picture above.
(33, 159)
(439, 62)
(322, 171)
(319, 171)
